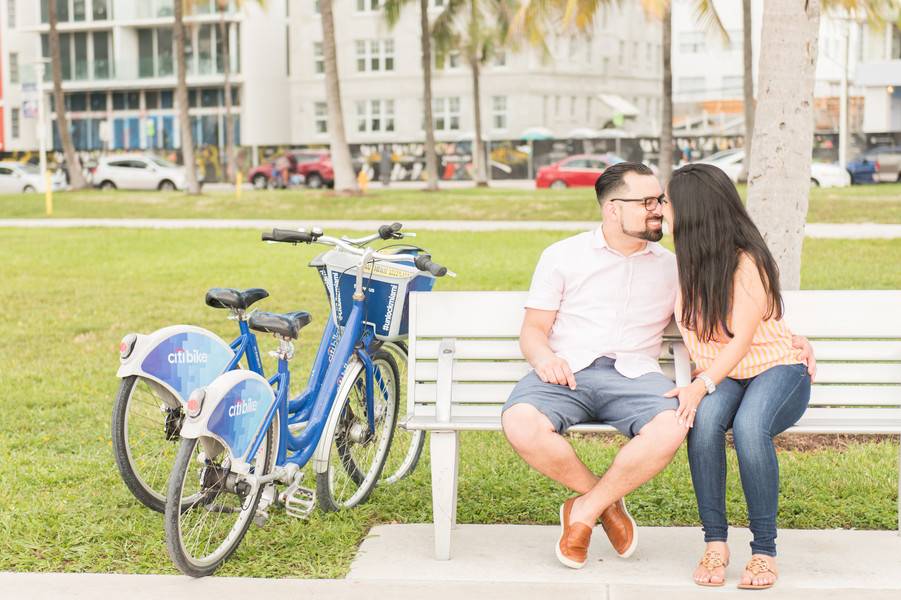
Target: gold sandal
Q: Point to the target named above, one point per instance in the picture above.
(755, 567)
(710, 561)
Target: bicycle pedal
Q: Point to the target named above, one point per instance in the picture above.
(299, 501)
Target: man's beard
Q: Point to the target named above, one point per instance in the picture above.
(648, 235)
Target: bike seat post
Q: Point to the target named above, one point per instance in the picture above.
(285, 350)
(237, 314)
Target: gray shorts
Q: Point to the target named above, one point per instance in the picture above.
(602, 395)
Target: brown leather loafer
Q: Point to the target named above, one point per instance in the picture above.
(620, 528)
(572, 547)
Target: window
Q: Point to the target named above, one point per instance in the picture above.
(375, 116)
(572, 106)
(14, 122)
(622, 52)
(101, 10)
(375, 55)
(896, 43)
(648, 50)
(320, 112)
(449, 61)
(499, 112)
(368, 5)
(205, 46)
(690, 85)
(80, 40)
(79, 10)
(733, 86)
(500, 58)
(155, 52)
(692, 42)
(11, 14)
(98, 101)
(437, 3)
(102, 64)
(13, 67)
(318, 58)
(446, 112)
(75, 52)
(587, 109)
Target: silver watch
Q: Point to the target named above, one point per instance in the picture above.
(708, 382)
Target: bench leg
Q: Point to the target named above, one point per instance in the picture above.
(444, 450)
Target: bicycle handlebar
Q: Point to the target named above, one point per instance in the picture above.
(424, 262)
(390, 232)
(289, 236)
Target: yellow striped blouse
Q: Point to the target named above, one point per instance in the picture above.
(771, 346)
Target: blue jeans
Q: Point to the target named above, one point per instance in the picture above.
(757, 409)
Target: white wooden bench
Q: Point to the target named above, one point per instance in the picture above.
(465, 359)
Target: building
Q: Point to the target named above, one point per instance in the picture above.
(611, 77)
(880, 79)
(118, 70)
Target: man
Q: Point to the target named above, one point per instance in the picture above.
(595, 315)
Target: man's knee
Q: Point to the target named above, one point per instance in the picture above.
(522, 423)
(666, 432)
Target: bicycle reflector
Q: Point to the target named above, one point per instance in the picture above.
(195, 402)
(127, 345)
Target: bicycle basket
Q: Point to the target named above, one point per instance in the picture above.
(387, 287)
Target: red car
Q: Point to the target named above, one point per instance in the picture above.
(580, 170)
(314, 165)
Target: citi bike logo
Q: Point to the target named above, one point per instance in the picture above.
(242, 407)
(187, 356)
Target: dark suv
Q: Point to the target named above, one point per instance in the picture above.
(314, 165)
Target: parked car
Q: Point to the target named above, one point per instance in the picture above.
(18, 177)
(314, 167)
(139, 172)
(580, 170)
(821, 174)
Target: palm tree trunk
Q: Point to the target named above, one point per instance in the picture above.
(76, 179)
(747, 47)
(478, 148)
(181, 100)
(431, 157)
(666, 121)
(341, 161)
(224, 30)
(779, 177)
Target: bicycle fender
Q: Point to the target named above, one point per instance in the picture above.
(321, 454)
(235, 406)
(181, 358)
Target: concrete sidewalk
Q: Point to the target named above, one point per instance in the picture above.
(812, 230)
(517, 562)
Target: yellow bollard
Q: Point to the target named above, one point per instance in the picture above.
(238, 177)
(48, 194)
(363, 179)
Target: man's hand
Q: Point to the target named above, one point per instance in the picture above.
(556, 370)
(801, 343)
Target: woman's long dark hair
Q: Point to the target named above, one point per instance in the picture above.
(711, 231)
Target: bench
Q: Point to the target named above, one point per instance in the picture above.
(464, 360)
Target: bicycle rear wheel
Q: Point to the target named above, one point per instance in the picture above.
(201, 534)
(356, 454)
(145, 435)
(406, 447)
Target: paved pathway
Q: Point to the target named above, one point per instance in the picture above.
(813, 230)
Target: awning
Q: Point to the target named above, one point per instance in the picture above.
(619, 105)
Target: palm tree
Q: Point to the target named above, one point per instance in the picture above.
(224, 31)
(181, 98)
(475, 28)
(665, 161)
(76, 179)
(747, 84)
(392, 15)
(341, 161)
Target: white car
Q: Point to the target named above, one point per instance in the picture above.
(821, 174)
(138, 172)
(18, 177)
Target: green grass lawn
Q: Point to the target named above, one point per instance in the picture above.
(858, 204)
(68, 296)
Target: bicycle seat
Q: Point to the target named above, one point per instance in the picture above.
(286, 325)
(232, 298)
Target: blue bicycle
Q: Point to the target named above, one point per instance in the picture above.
(159, 371)
(241, 433)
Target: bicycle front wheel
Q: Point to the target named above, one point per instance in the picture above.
(406, 447)
(356, 452)
(145, 435)
(209, 507)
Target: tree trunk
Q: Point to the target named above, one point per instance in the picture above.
(431, 157)
(478, 148)
(779, 178)
(224, 30)
(666, 121)
(748, 47)
(341, 161)
(181, 101)
(76, 178)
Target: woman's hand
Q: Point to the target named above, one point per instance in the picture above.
(799, 342)
(690, 398)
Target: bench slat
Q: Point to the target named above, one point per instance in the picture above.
(844, 314)
(821, 395)
(889, 373)
(468, 349)
(856, 350)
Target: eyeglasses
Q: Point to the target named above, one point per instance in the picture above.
(650, 203)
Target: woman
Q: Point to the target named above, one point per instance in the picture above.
(749, 377)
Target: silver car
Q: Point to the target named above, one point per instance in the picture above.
(20, 177)
(138, 172)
